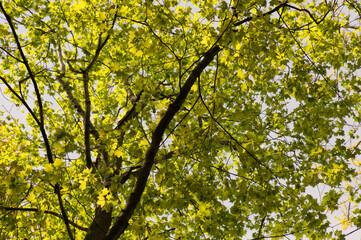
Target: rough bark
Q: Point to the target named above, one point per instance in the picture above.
(100, 225)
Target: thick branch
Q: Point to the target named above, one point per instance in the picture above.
(86, 120)
(102, 218)
(71, 97)
(76, 105)
(37, 92)
(97, 52)
(75, 102)
(57, 190)
(26, 63)
(63, 212)
(45, 211)
(41, 122)
(100, 224)
(88, 126)
(121, 222)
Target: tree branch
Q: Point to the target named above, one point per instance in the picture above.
(101, 44)
(261, 226)
(75, 102)
(102, 218)
(21, 100)
(86, 120)
(309, 13)
(11, 55)
(41, 122)
(25, 62)
(267, 13)
(45, 211)
(121, 222)
(130, 114)
(100, 224)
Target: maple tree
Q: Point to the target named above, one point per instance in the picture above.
(185, 120)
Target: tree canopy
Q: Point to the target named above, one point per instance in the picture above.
(193, 119)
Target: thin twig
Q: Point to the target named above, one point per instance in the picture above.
(11, 55)
(309, 13)
(44, 211)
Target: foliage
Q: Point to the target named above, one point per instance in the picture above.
(179, 119)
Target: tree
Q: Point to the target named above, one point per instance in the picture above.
(185, 120)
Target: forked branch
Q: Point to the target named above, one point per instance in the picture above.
(40, 122)
(121, 222)
(45, 211)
